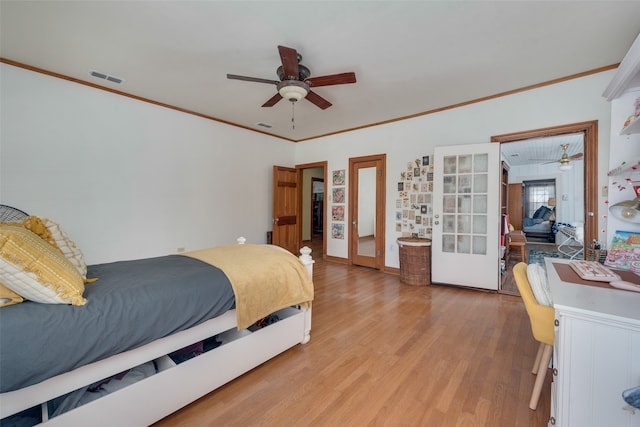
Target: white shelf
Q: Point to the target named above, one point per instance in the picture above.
(633, 165)
(632, 128)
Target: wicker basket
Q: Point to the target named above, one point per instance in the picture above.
(596, 255)
(415, 261)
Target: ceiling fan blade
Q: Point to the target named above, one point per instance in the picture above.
(289, 58)
(273, 100)
(333, 79)
(319, 101)
(251, 79)
(576, 156)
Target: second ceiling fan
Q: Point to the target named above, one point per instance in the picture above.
(295, 82)
(565, 159)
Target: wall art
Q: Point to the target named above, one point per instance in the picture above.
(337, 213)
(337, 231)
(338, 195)
(414, 203)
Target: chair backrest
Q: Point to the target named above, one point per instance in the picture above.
(11, 214)
(541, 316)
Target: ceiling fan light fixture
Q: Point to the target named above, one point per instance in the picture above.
(628, 210)
(292, 90)
(565, 164)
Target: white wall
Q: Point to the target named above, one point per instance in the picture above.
(572, 101)
(569, 184)
(127, 179)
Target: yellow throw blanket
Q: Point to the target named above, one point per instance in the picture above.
(264, 279)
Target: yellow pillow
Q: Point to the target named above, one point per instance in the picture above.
(52, 233)
(37, 271)
(8, 297)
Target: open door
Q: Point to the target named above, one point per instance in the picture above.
(286, 200)
(466, 216)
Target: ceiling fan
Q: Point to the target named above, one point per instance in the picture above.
(565, 159)
(295, 82)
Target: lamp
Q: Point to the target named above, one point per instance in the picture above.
(551, 202)
(565, 165)
(628, 210)
(292, 90)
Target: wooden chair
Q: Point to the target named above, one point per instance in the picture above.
(542, 326)
(518, 242)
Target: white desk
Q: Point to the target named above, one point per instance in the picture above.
(596, 353)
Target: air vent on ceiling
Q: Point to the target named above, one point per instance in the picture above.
(107, 77)
(264, 125)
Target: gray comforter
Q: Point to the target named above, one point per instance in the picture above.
(131, 304)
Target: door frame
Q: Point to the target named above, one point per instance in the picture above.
(379, 259)
(300, 168)
(590, 185)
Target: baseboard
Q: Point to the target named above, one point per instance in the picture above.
(392, 270)
(337, 259)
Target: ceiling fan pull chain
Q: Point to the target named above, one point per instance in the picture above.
(293, 115)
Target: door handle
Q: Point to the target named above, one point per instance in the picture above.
(355, 222)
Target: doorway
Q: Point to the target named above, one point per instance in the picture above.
(590, 175)
(313, 178)
(367, 210)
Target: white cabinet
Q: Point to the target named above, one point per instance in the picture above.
(596, 353)
(597, 358)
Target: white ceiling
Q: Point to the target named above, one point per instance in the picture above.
(537, 151)
(409, 57)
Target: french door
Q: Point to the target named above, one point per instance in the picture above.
(466, 216)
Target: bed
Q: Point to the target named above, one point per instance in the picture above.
(116, 335)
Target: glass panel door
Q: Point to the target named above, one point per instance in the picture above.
(466, 215)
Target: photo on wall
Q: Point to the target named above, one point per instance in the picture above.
(337, 231)
(337, 213)
(338, 195)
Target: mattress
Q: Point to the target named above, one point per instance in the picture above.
(132, 304)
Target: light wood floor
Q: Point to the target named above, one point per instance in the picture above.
(388, 354)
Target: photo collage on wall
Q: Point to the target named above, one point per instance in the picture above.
(414, 215)
(337, 204)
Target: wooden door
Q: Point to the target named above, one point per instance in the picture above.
(366, 210)
(515, 208)
(286, 199)
(466, 216)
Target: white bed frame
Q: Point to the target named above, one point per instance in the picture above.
(174, 386)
